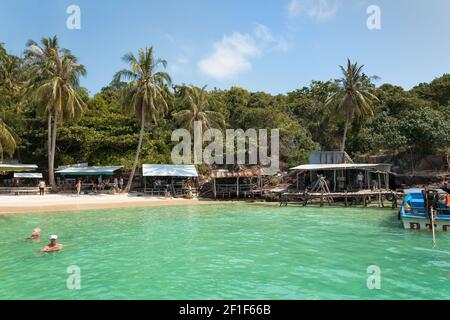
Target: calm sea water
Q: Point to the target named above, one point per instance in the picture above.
(223, 252)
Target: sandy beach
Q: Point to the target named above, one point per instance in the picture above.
(71, 202)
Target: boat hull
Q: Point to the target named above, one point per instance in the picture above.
(411, 223)
(413, 215)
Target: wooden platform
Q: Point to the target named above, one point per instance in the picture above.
(363, 198)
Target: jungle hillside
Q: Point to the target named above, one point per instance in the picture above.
(40, 96)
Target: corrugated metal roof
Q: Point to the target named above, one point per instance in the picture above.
(17, 167)
(89, 171)
(363, 166)
(169, 170)
(28, 175)
(329, 157)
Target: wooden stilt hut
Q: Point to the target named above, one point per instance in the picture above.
(241, 183)
(332, 175)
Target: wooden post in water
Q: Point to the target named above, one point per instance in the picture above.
(260, 186)
(305, 199)
(432, 227)
(386, 180)
(214, 188)
(346, 204)
(368, 179)
(237, 187)
(380, 196)
(334, 180)
(321, 198)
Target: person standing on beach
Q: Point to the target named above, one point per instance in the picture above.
(41, 186)
(116, 184)
(78, 187)
(121, 183)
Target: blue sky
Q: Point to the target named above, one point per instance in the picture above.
(275, 46)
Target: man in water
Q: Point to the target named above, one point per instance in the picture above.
(35, 234)
(53, 245)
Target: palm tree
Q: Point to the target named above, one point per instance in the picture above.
(199, 110)
(8, 65)
(10, 72)
(7, 140)
(55, 80)
(146, 93)
(353, 98)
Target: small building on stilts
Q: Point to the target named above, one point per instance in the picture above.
(170, 180)
(332, 177)
(239, 184)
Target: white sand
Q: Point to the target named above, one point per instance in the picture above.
(71, 202)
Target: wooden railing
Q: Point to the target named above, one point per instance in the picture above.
(22, 190)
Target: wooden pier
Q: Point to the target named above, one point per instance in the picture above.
(363, 198)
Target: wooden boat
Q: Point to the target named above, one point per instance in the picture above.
(416, 215)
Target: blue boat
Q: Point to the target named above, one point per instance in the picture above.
(416, 216)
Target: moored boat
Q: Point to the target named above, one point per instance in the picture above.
(420, 207)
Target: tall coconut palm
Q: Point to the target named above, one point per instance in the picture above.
(353, 98)
(199, 110)
(8, 65)
(7, 140)
(10, 72)
(145, 94)
(55, 80)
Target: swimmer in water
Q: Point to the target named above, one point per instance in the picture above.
(53, 245)
(35, 235)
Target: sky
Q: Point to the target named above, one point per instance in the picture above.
(273, 45)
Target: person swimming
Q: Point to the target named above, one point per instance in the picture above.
(53, 245)
(35, 234)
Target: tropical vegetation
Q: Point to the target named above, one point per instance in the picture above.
(54, 80)
(47, 118)
(146, 93)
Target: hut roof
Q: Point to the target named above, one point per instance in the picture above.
(89, 171)
(345, 166)
(28, 175)
(17, 167)
(247, 172)
(169, 170)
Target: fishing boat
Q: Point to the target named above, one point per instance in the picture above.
(417, 211)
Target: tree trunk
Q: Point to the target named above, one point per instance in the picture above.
(52, 159)
(138, 152)
(49, 143)
(448, 160)
(344, 138)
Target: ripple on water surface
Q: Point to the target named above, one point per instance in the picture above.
(233, 251)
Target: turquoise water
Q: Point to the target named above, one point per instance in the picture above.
(223, 252)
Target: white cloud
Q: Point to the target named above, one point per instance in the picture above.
(294, 8)
(232, 55)
(320, 9)
(268, 40)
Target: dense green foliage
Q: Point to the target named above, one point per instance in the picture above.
(401, 122)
